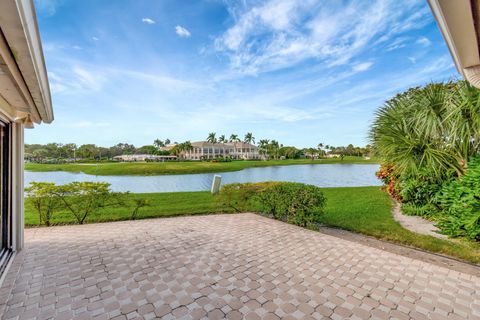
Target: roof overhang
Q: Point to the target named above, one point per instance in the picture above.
(24, 88)
(459, 23)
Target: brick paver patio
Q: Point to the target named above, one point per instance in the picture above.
(223, 266)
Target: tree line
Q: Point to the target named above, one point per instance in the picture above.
(268, 148)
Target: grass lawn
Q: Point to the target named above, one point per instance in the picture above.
(364, 210)
(367, 210)
(164, 168)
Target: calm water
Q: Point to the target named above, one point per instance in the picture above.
(322, 175)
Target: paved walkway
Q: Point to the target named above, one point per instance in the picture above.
(416, 224)
(224, 266)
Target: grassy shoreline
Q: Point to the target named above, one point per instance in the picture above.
(169, 168)
(365, 210)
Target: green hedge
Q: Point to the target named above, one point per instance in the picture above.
(459, 201)
(295, 203)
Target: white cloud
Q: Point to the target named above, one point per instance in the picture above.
(364, 66)
(95, 39)
(87, 79)
(148, 21)
(182, 32)
(281, 33)
(398, 43)
(412, 59)
(76, 47)
(48, 7)
(424, 41)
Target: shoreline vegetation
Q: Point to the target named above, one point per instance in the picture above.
(182, 167)
(364, 210)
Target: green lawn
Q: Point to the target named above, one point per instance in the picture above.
(364, 210)
(367, 210)
(164, 168)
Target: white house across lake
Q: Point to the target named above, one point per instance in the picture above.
(206, 150)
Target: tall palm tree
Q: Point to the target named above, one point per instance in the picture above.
(222, 140)
(263, 146)
(320, 148)
(250, 139)
(167, 141)
(274, 148)
(234, 139)
(187, 146)
(212, 139)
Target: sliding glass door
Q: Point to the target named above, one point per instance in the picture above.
(5, 199)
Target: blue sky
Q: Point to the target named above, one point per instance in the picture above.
(301, 72)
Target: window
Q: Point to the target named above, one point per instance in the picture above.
(5, 200)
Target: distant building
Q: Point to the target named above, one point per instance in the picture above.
(333, 155)
(142, 157)
(206, 150)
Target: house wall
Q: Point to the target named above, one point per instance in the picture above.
(198, 153)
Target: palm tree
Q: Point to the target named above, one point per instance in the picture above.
(158, 144)
(424, 128)
(234, 139)
(187, 146)
(249, 138)
(320, 148)
(263, 146)
(274, 148)
(212, 139)
(222, 140)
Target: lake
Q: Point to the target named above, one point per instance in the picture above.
(322, 175)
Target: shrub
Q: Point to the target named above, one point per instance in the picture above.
(417, 192)
(459, 201)
(387, 175)
(45, 200)
(84, 198)
(239, 196)
(138, 204)
(295, 203)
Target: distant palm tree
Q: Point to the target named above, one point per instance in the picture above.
(234, 139)
(274, 148)
(187, 146)
(158, 143)
(222, 140)
(249, 138)
(263, 146)
(320, 148)
(212, 139)
(167, 141)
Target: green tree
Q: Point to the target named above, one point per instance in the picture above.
(222, 140)
(213, 140)
(84, 198)
(158, 144)
(250, 139)
(414, 130)
(263, 147)
(234, 139)
(45, 199)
